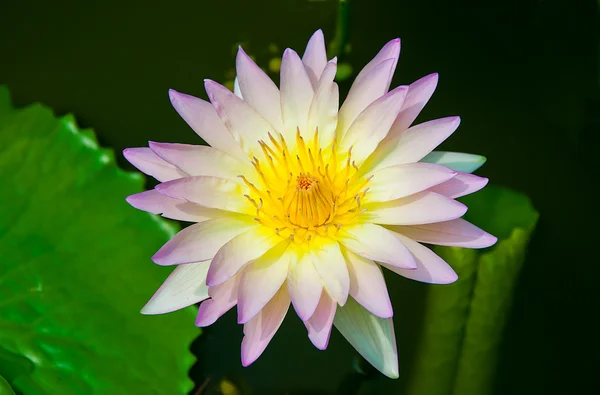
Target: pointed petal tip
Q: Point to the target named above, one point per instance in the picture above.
(320, 343)
(430, 79)
(487, 240)
(289, 52)
(247, 358)
(132, 200)
(242, 55)
(392, 371)
(159, 258)
(146, 310)
(175, 97)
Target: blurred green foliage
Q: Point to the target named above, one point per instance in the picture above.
(464, 321)
(75, 268)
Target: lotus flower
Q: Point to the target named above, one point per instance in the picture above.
(298, 200)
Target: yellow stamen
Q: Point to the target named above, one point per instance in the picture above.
(305, 190)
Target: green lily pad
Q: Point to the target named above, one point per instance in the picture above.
(5, 388)
(76, 269)
(464, 321)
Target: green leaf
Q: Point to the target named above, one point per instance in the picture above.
(5, 388)
(444, 325)
(497, 275)
(464, 321)
(75, 268)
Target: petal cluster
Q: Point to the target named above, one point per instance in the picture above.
(300, 201)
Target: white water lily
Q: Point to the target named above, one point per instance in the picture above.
(300, 201)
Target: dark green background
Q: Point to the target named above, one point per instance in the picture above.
(523, 75)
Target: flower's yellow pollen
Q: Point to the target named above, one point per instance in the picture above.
(303, 190)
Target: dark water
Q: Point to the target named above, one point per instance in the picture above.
(523, 75)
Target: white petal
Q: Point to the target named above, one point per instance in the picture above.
(364, 92)
(430, 267)
(200, 160)
(305, 287)
(155, 202)
(461, 185)
(147, 161)
(413, 144)
(200, 242)
(244, 123)
(259, 331)
(324, 107)
(421, 208)
(296, 94)
(202, 117)
(457, 232)
(315, 57)
(240, 250)
(319, 325)
(466, 163)
(403, 180)
(236, 88)
(371, 336)
(391, 50)
(185, 286)
(261, 280)
(367, 285)
(258, 90)
(331, 266)
(373, 124)
(419, 93)
(376, 243)
(211, 192)
(223, 298)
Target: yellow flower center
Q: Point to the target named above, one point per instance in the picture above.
(306, 190)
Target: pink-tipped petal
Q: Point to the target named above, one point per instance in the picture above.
(329, 262)
(458, 161)
(304, 286)
(457, 232)
(185, 286)
(421, 208)
(419, 93)
(202, 117)
(258, 90)
(211, 192)
(461, 185)
(223, 298)
(403, 180)
(259, 331)
(261, 280)
(240, 250)
(200, 242)
(319, 325)
(296, 94)
(315, 57)
(244, 123)
(430, 267)
(324, 107)
(367, 285)
(200, 160)
(371, 336)
(413, 144)
(155, 202)
(391, 50)
(373, 124)
(376, 243)
(147, 161)
(364, 92)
